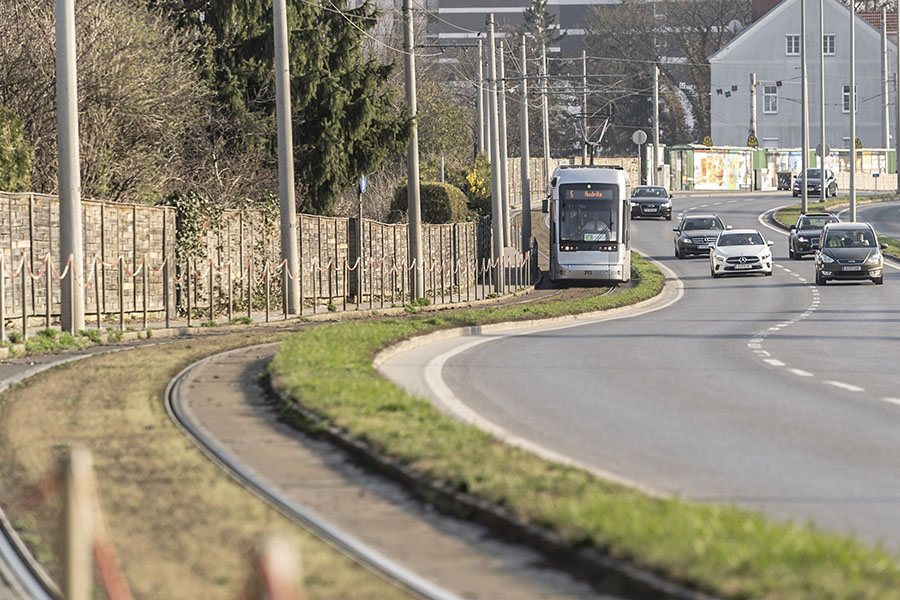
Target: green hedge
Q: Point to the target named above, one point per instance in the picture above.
(440, 202)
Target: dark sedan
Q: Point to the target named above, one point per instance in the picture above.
(651, 201)
(695, 234)
(804, 238)
(849, 251)
(815, 185)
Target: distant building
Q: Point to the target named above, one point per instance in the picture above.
(770, 48)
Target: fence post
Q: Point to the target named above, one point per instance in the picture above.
(97, 294)
(266, 277)
(2, 298)
(250, 288)
(371, 283)
(230, 294)
(284, 289)
(189, 274)
(49, 290)
(122, 293)
(78, 526)
(144, 279)
(346, 274)
(212, 309)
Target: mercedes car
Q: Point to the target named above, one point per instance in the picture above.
(849, 251)
(651, 201)
(815, 185)
(804, 237)
(695, 234)
(740, 251)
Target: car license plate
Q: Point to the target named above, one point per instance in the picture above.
(857, 268)
(650, 209)
(702, 246)
(743, 266)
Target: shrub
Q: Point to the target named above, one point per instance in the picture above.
(441, 202)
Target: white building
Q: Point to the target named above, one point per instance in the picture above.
(770, 48)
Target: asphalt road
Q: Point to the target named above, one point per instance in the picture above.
(770, 392)
(884, 217)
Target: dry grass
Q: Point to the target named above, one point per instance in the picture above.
(182, 528)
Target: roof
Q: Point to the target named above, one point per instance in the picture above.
(780, 12)
(874, 19)
(740, 231)
(849, 226)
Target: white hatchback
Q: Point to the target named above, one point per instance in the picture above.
(740, 251)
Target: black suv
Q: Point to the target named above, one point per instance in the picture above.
(651, 201)
(804, 238)
(849, 251)
(815, 185)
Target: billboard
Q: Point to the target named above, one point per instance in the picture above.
(716, 169)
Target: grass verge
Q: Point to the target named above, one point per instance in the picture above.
(727, 550)
(182, 528)
(788, 216)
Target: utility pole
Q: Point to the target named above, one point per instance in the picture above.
(545, 112)
(822, 83)
(479, 97)
(526, 153)
(584, 126)
(884, 80)
(504, 149)
(853, 111)
(897, 106)
(287, 204)
(654, 173)
(804, 115)
(486, 105)
(496, 193)
(70, 241)
(753, 104)
(414, 208)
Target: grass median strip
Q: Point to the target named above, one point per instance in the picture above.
(727, 550)
(182, 528)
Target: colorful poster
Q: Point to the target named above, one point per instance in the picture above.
(721, 169)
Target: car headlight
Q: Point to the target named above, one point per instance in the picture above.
(719, 257)
(765, 256)
(826, 258)
(686, 240)
(874, 259)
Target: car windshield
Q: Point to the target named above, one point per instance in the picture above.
(700, 224)
(814, 173)
(816, 222)
(850, 238)
(740, 239)
(649, 192)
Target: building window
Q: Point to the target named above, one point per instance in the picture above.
(792, 41)
(770, 99)
(828, 44)
(845, 105)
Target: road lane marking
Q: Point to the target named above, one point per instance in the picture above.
(774, 362)
(892, 400)
(801, 372)
(845, 386)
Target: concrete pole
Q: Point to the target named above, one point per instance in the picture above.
(287, 203)
(545, 113)
(496, 193)
(526, 154)
(479, 97)
(486, 105)
(504, 148)
(822, 80)
(584, 126)
(78, 525)
(654, 177)
(884, 80)
(853, 111)
(804, 112)
(70, 230)
(753, 104)
(897, 104)
(417, 286)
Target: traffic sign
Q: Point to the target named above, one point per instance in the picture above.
(639, 137)
(823, 150)
(751, 141)
(707, 140)
(858, 143)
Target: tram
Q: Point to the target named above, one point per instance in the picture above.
(590, 237)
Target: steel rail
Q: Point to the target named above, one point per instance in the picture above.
(337, 538)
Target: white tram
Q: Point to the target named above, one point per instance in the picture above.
(590, 213)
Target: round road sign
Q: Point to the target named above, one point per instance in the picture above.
(639, 137)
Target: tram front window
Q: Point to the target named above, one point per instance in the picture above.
(588, 213)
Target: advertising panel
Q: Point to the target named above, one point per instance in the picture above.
(716, 169)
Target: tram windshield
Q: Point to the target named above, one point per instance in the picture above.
(587, 212)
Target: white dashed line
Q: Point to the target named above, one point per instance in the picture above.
(801, 372)
(774, 362)
(892, 400)
(845, 386)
